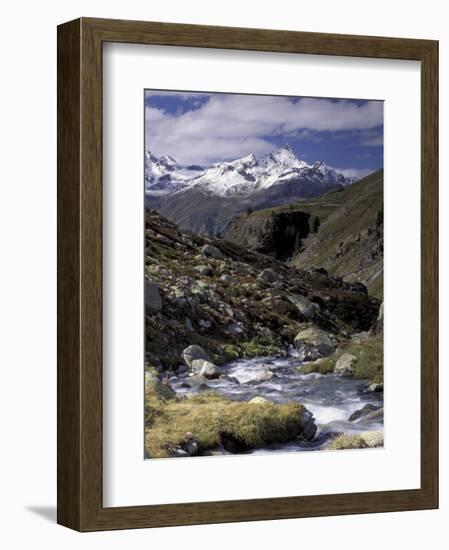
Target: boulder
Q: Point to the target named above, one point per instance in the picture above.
(190, 444)
(345, 364)
(268, 276)
(204, 368)
(153, 298)
(307, 423)
(194, 352)
(212, 252)
(375, 387)
(313, 343)
(364, 412)
(304, 305)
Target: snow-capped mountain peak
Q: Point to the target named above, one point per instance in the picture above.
(284, 156)
(241, 177)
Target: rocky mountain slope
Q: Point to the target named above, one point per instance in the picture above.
(341, 231)
(234, 302)
(204, 200)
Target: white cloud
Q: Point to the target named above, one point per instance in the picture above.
(227, 126)
(178, 95)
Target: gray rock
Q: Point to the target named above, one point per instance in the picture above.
(307, 424)
(153, 298)
(364, 412)
(191, 445)
(313, 343)
(205, 323)
(229, 312)
(268, 276)
(345, 364)
(188, 324)
(304, 305)
(204, 368)
(235, 328)
(228, 279)
(212, 252)
(194, 352)
(375, 387)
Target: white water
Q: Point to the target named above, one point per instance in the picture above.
(331, 398)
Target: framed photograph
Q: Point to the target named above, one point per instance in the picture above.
(247, 287)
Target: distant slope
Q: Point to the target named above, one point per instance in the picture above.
(343, 234)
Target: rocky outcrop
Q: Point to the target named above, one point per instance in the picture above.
(277, 234)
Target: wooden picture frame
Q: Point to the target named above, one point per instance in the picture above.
(80, 504)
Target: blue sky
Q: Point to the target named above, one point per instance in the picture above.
(203, 128)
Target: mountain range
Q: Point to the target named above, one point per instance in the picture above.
(205, 199)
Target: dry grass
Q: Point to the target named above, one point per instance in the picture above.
(209, 417)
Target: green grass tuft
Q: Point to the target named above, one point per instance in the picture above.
(209, 417)
(368, 364)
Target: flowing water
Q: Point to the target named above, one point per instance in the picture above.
(332, 398)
